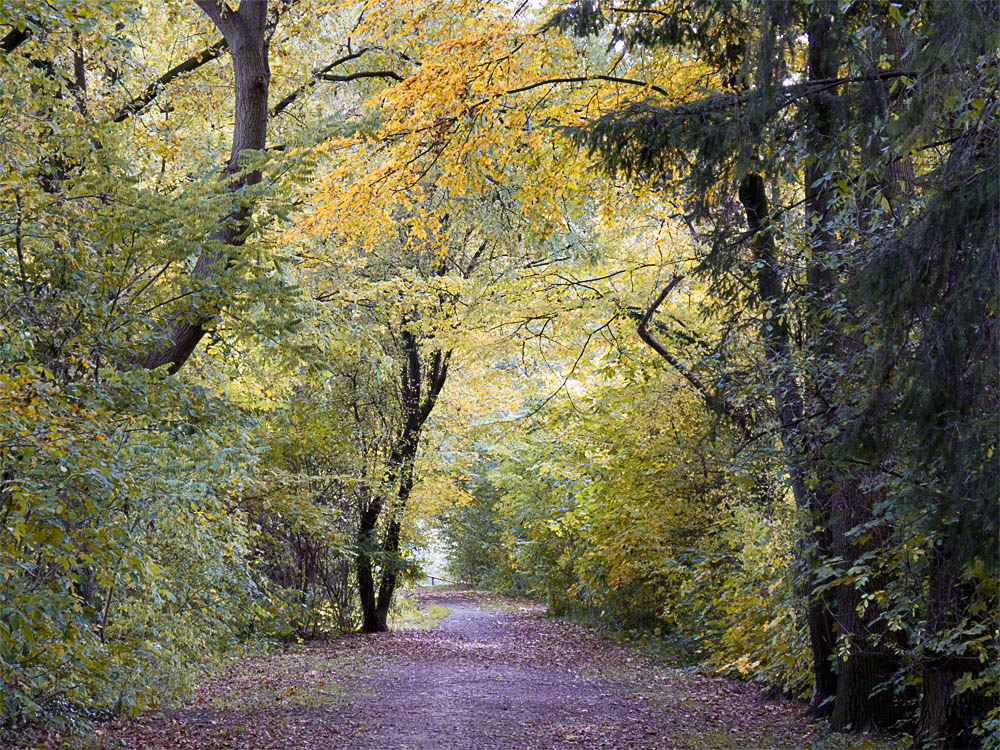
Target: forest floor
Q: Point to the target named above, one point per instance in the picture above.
(493, 673)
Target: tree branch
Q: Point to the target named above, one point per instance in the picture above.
(14, 38)
(584, 79)
(362, 74)
(313, 78)
(153, 90)
(716, 404)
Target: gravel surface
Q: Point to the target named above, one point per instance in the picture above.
(493, 674)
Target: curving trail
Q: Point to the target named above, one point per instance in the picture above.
(493, 674)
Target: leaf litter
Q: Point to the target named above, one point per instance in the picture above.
(495, 673)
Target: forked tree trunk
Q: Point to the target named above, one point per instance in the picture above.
(420, 384)
(375, 609)
(390, 575)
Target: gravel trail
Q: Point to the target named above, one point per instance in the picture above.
(494, 674)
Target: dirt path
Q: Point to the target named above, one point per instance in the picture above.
(491, 675)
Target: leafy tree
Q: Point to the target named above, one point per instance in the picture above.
(281, 281)
(123, 554)
(821, 79)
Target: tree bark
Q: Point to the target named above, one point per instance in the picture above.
(245, 32)
(791, 425)
(417, 404)
(399, 477)
(871, 661)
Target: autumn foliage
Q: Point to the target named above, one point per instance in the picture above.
(679, 317)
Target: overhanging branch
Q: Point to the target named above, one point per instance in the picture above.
(713, 401)
(153, 90)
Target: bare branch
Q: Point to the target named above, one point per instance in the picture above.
(362, 74)
(313, 78)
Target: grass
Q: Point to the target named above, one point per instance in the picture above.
(510, 605)
(411, 616)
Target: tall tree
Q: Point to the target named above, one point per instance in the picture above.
(791, 80)
(246, 31)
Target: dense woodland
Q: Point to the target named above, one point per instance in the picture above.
(680, 315)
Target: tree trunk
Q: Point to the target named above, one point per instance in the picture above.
(387, 586)
(375, 611)
(789, 406)
(245, 32)
(871, 662)
(868, 660)
(370, 620)
(417, 402)
(947, 719)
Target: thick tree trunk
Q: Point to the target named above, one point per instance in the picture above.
(373, 619)
(791, 424)
(868, 660)
(244, 31)
(947, 719)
